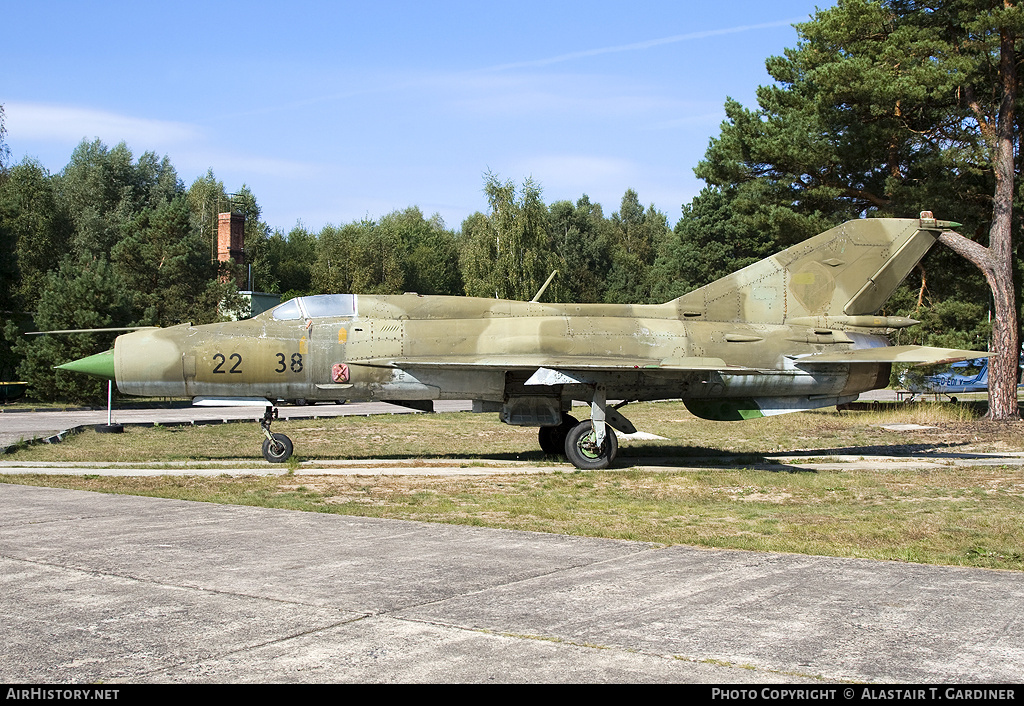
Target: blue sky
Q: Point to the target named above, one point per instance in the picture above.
(335, 111)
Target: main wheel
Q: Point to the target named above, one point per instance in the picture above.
(279, 451)
(552, 439)
(584, 453)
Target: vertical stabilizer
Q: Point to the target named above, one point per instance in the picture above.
(849, 270)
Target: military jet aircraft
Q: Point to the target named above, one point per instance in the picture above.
(796, 331)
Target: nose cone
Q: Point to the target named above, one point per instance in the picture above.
(100, 365)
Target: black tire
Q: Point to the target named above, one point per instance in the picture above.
(109, 428)
(278, 452)
(548, 443)
(580, 449)
(552, 439)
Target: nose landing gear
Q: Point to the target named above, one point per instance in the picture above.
(277, 448)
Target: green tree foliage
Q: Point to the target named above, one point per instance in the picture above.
(638, 235)
(164, 265)
(429, 253)
(8, 272)
(582, 242)
(376, 257)
(864, 119)
(711, 240)
(507, 253)
(5, 151)
(103, 189)
(478, 253)
(332, 272)
(81, 294)
(403, 252)
(256, 274)
(207, 198)
(360, 258)
(291, 258)
(888, 108)
(130, 247)
(38, 227)
(34, 232)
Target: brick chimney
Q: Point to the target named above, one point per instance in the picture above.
(231, 237)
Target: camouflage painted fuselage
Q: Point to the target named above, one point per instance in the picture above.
(468, 348)
(795, 331)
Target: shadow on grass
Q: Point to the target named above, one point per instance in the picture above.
(677, 456)
(696, 456)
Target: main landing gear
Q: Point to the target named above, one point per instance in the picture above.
(577, 441)
(591, 444)
(552, 439)
(585, 451)
(277, 448)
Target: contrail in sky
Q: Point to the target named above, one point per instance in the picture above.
(642, 45)
(389, 87)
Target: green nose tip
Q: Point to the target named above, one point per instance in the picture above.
(101, 365)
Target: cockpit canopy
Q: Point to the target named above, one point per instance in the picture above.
(316, 307)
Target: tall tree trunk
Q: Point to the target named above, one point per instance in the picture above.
(1002, 395)
(996, 261)
(998, 271)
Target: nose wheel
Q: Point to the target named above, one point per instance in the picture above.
(277, 448)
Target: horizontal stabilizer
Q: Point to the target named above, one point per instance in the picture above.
(922, 355)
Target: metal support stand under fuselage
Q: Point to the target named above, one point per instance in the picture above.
(109, 427)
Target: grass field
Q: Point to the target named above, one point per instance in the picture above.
(706, 491)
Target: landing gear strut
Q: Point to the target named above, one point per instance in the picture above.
(592, 444)
(277, 448)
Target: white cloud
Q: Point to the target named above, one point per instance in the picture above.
(580, 170)
(568, 176)
(71, 124)
(188, 145)
(551, 95)
(229, 162)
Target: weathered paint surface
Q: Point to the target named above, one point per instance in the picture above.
(741, 347)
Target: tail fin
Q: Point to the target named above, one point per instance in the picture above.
(848, 271)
